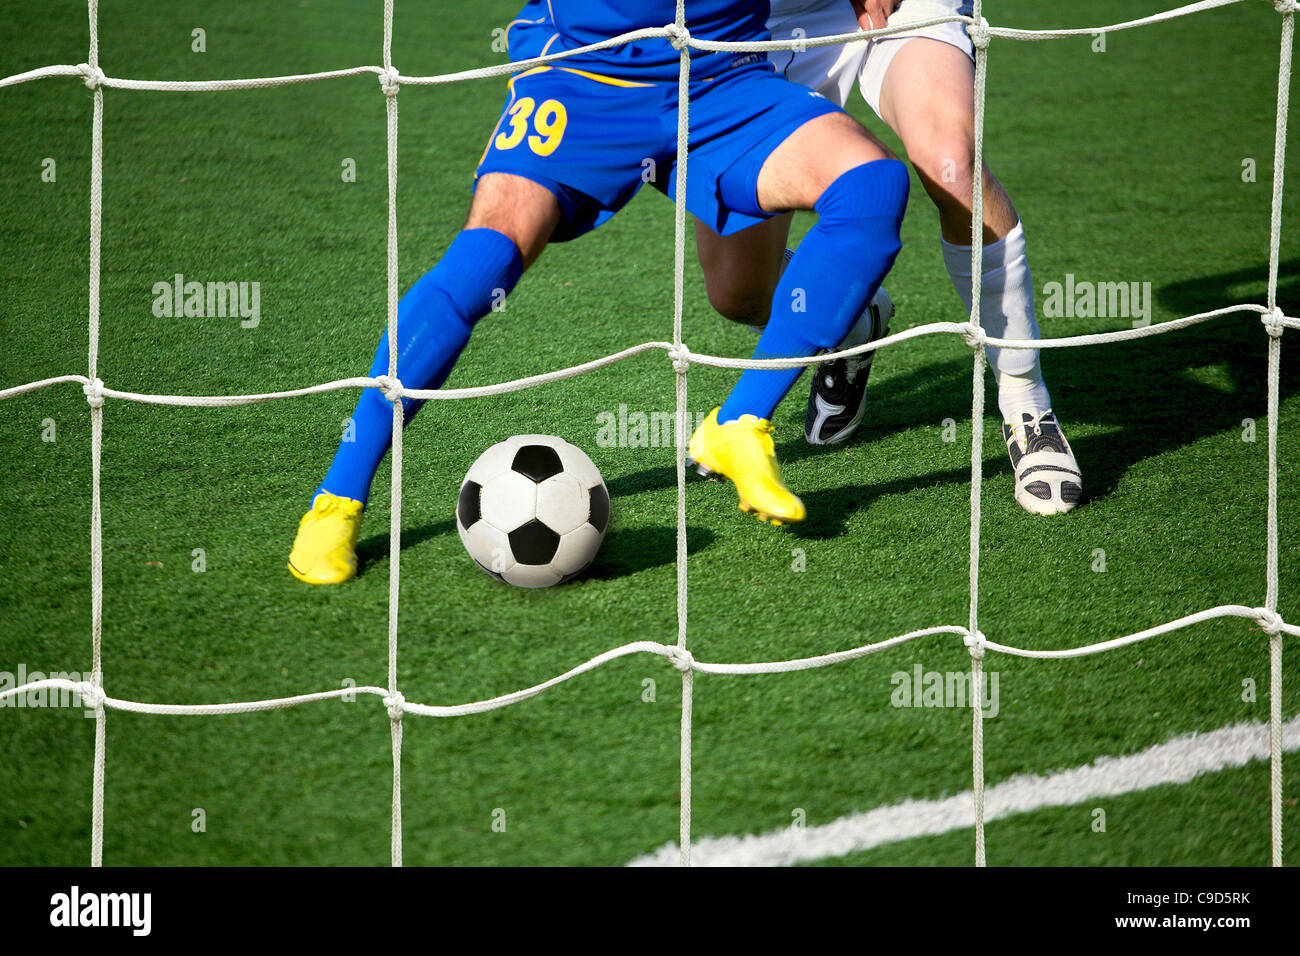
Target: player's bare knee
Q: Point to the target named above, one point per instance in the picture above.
(741, 270)
(946, 166)
(738, 303)
(733, 287)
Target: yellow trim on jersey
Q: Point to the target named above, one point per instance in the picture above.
(514, 23)
(510, 83)
(599, 78)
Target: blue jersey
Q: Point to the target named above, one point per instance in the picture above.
(578, 23)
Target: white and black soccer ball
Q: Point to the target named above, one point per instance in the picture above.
(533, 510)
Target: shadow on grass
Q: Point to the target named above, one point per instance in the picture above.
(1144, 397)
(624, 551)
(375, 547)
(629, 550)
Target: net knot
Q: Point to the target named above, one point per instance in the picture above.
(391, 387)
(1270, 622)
(388, 81)
(1286, 6)
(681, 357)
(980, 34)
(396, 704)
(678, 36)
(973, 334)
(975, 644)
(680, 658)
(91, 696)
(1273, 322)
(94, 393)
(93, 75)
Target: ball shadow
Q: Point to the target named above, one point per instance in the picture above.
(625, 550)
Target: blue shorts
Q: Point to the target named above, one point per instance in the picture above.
(592, 140)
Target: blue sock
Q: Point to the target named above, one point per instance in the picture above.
(834, 273)
(434, 321)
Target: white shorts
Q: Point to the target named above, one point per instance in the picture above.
(832, 70)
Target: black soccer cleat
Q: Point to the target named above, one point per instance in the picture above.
(838, 396)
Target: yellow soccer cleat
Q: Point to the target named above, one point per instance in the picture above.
(325, 551)
(742, 451)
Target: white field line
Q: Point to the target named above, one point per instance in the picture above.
(1176, 761)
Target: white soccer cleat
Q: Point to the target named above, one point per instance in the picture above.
(1048, 481)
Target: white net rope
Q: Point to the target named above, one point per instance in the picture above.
(1272, 317)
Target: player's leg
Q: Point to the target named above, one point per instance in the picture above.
(510, 221)
(926, 94)
(741, 273)
(832, 165)
(838, 394)
(927, 97)
(550, 173)
(741, 270)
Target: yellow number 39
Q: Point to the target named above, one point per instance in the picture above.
(549, 121)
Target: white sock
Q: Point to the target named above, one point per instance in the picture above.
(1006, 312)
(1018, 394)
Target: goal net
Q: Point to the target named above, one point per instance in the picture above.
(675, 651)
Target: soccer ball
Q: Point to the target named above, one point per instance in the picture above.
(533, 511)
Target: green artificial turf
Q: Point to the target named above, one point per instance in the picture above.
(1125, 165)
